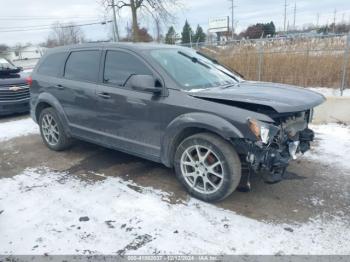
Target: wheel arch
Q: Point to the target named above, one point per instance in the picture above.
(190, 124)
(46, 100)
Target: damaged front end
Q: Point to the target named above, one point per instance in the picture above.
(277, 144)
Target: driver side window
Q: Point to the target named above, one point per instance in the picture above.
(119, 66)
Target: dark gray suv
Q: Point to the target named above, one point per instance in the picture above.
(175, 106)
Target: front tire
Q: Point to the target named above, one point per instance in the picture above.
(52, 131)
(208, 166)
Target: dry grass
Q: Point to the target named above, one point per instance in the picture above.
(312, 62)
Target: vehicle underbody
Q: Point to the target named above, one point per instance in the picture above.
(289, 138)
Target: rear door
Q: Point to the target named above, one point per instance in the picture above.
(77, 90)
(128, 118)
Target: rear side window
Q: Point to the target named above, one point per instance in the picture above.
(83, 65)
(119, 66)
(52, 64)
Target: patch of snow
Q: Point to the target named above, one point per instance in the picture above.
(332, 145)
(56, 213)
(330, 91)
(316, 201)
(16, 128)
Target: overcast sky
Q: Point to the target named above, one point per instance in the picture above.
(20, 15)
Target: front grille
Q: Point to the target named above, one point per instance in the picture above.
(13, 95)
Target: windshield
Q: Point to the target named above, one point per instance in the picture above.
(4, 64)
(193, 71)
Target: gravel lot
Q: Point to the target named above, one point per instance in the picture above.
(92, 200)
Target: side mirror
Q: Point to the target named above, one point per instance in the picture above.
(144, 83)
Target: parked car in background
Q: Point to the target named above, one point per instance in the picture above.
(14, 88)
(171, 105)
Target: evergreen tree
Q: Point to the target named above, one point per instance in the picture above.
(187, 34)
(199, 36)
(170, 36)
(269, 29)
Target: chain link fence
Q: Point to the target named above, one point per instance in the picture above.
(317, 61)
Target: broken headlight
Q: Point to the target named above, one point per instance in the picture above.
(263, 131)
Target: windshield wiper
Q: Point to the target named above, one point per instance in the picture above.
(194, 59)
(208, 57)
(217, 63)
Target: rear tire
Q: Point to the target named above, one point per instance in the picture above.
(208, 166)
(52, 131)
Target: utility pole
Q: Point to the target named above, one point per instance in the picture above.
(116, 33)
(232, 17)
(190, 34)
(285, 16)
(295, 14)
(334, 19)
(157, 22)
(317, 20)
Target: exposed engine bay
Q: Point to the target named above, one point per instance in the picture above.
(284, 142)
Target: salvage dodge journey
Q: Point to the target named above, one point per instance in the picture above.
(175, 106)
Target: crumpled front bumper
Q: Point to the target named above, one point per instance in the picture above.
(272, 161)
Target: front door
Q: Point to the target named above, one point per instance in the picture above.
(128, 118)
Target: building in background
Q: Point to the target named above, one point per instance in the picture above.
(31, 52)
(219, 26)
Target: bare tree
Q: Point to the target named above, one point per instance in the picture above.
(157, 8)
(158, 28)
(64, 35)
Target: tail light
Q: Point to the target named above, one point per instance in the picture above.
(29, 81)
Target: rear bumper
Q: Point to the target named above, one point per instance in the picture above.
(16, 106)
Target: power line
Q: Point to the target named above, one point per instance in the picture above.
(49, 28)
(17, 18)
(41, 26)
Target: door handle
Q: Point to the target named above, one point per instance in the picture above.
(59, 86)
(104, 95)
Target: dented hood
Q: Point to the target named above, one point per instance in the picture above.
(282, 98)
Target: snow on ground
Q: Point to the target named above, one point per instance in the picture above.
(23, 127)
(333, 145)
(330, 91)
(42, 211)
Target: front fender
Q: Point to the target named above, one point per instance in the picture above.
(205, 121)
(54, 103)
